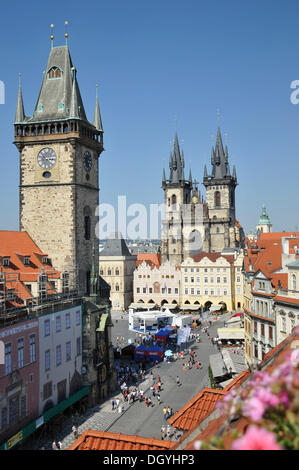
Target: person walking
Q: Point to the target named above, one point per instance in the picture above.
(178, 382)
(75, 432)
(54, 446)
(59, 445)
(158, 399)
(163, 431)
(165, 413)
(168, 431)
(175, 434)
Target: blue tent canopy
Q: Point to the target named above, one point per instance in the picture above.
(165, 331)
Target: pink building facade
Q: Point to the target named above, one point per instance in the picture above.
(19, 376)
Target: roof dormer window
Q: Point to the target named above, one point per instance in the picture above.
(26, 260)
(54, 72)
(6, 261)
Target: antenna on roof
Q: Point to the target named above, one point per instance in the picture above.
(66, 33)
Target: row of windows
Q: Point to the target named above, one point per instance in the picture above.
(56, 128)
(58, 354)
(262, 329)
(58, 323)
(207, 292)
(110, 272)
(262, 307)
(193, 270)
(165, 290)
(21, 353)
(207, 280)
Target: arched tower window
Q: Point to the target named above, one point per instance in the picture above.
(217, 199)
(54, 72)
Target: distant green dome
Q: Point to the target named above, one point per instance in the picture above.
(264, 218)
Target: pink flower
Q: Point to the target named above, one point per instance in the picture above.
(254, 408)
(256, 439)
(284, 398)
(262, 378)
(265, 395)
(295, 358)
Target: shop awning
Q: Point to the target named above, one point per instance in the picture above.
(142, 305)
(189, 307)
(230, 333)
(215, 308)
(217, 365)
(228, 361)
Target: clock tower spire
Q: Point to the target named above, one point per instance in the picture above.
(59, 171)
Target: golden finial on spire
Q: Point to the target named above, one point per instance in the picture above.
(52, 35)
(66, 33)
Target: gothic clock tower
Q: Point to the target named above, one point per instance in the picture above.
(59, 172)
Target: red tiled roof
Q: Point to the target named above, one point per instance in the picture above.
(277, 235)
(288, 300)
(16, 245)
(102, 440)
(263, 294)
(213, 257)
(154, 258)
(237, 381)
(200, 406)
(196, 409)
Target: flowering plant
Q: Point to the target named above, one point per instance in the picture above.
(270, 402)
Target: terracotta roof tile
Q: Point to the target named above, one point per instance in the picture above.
(213, 257)
(102, 440)
(16, 245)
(196, 409)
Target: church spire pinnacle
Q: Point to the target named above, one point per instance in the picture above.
(75, 108)
(20, 113)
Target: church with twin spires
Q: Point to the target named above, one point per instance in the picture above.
(193, 224)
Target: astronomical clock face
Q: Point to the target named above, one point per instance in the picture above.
(46, 158)
(87, 161)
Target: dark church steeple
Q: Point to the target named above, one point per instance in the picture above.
(177, 167)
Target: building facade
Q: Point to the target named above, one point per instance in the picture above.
(19, 375)
(213, 280)
(117, 267)
(60, 356)
(157, 285)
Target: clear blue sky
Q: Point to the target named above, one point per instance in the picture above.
(157, 59)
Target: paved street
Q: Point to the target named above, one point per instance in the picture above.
(136, 418)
